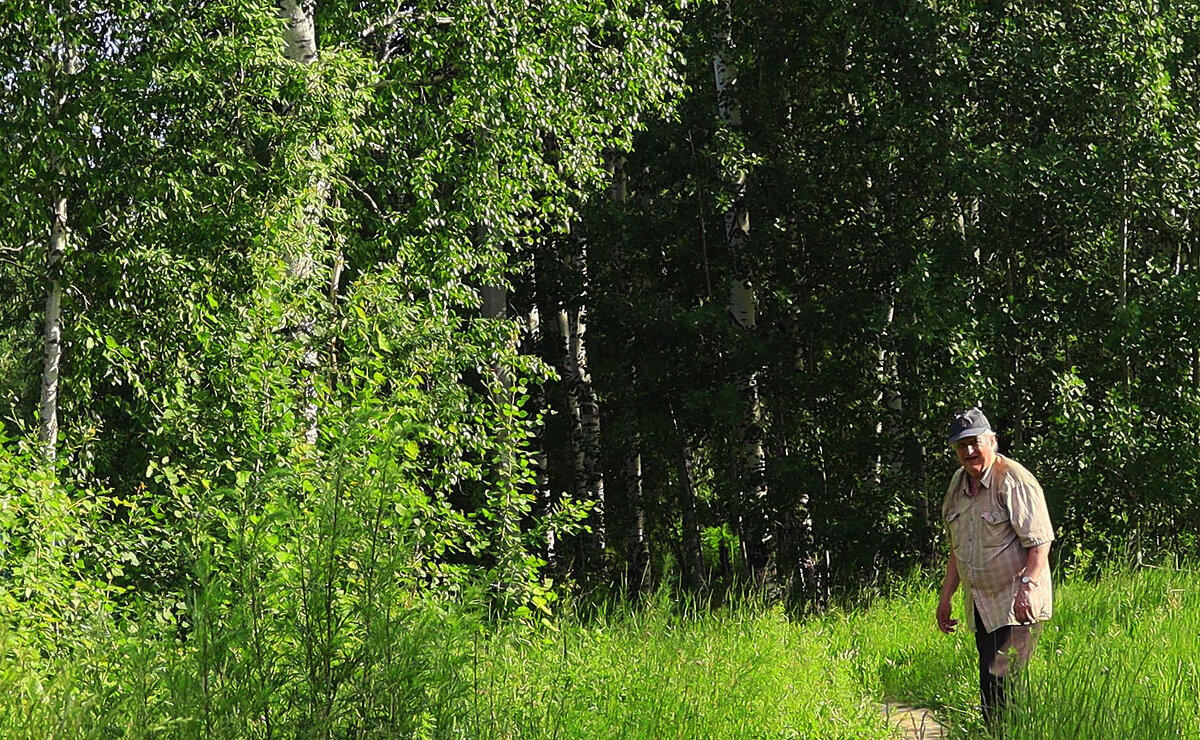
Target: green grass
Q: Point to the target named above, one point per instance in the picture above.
(735, 673)
(1118, 660)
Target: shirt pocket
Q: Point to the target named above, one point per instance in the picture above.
(954, 523)
(997, 529)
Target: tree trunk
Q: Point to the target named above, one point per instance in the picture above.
(52, 334)
(692, 563)
(300, 46)
(585, 415)
(638, 555)
(638, 569)
(888, 399)
(1125, 357)
(52, 325)
(537, 408)
(299, 35)
(755, 521)
(1016, 422)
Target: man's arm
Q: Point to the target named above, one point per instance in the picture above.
(1036, 560)
(949, 586)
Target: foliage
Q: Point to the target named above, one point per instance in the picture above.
(1116, 656)
(294, 437)
(951, 205)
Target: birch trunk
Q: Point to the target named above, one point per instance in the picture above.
(585, 416)
(583, 403)
(693, 557)
(52, 334)
(887, 399)
(299, 33)
(502, 499)
(300, 46)
(1015, 350)
(52, 324)
(639, 548)
(1127, 361)
(755, 524)
(537, 406)
(639, 556)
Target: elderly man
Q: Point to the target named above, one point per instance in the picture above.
(1000, 536)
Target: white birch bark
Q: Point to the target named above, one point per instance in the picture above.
(52, 324)
(639, 550)
(507, 537)
(299, 33)
(583, 406)
(584, 409)
(639, 556)
(757, 544)
(300, 46)
(887, 399)
(533, 333)
(52, 335)
(1125, 270)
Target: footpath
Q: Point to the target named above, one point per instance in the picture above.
(914, 723)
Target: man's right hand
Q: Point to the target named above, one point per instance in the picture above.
(945, 622)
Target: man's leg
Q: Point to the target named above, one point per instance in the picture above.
(1002, 652)
(991, 685)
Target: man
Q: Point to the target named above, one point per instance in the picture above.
(1000, 536)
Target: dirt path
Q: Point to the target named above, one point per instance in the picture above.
(914, 723)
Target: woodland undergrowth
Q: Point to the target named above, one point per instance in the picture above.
(312, 647)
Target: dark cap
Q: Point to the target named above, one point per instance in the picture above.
(969, 423)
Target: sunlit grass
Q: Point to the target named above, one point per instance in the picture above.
(1119, 660)
(653, 674)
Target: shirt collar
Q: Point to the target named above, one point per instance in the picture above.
(985, 480)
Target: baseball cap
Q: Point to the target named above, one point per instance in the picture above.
(969, 423)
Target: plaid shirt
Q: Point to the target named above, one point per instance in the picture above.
(990, 534)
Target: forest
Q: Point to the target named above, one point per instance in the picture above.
(329, 327)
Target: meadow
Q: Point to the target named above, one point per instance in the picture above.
(1119, 660)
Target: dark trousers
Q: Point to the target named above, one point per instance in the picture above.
(1002, 654)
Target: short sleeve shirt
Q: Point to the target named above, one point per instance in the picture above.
(990, 534)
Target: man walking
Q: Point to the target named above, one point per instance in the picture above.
(1000, 536)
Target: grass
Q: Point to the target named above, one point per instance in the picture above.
(1118, 660)
(655, 674)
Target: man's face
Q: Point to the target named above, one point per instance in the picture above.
(975, 454)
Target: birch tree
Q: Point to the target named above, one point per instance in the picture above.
(756, 525)
(470, 97)
(638, 556)
(300, 47)
(55, 254)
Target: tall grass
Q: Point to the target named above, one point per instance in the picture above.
(744, 672)
(1119, 660)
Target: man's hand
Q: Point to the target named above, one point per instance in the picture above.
(1022, 609)
(944, 621)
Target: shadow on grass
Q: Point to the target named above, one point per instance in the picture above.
(923, 676)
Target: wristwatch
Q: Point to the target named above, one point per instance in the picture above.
(1028, 580)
